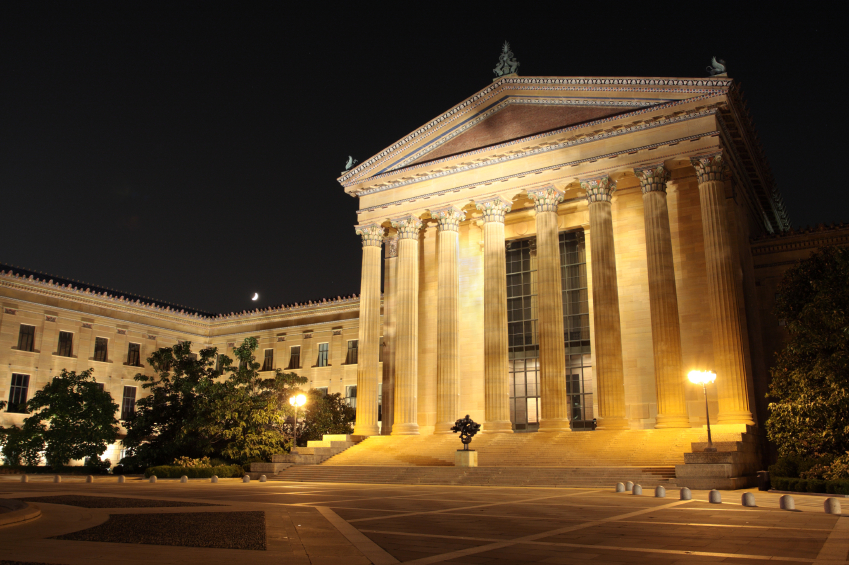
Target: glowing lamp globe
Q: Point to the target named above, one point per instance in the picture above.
(701, 377)
(298, 400)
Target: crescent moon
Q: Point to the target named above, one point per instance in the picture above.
(256, 295)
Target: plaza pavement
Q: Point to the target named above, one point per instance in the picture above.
(356, 523)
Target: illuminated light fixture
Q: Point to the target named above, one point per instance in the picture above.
(297, 401)
(703, 378)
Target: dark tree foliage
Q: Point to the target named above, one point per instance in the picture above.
(325, 414)
(20, 446)
(809, 415)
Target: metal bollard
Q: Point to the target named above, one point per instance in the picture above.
(714, 497)
(629, 486)
(184, 479)
(121, 479)
(832, 506)
(246, 479)
(89, 479)
(637, 490)
(620, 487)
(262, 478)
(686, 494)
(153, 478)
(659, 492)
(24, 479)
(57, 479)
(786, 502)
(214, 479)
(748, 500)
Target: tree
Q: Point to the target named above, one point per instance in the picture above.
(20, 446)
(325, 414)
(74, 417)
(809, 414)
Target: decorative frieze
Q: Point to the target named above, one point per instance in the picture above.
(653, 179)
(546, 199)
(709, 167)
(372, 234)
(337, 332)
(50, 318)
(281, 338)
(150, 336)
(598, 190)
(493, 208)
(121, 332)
(9, 311)
(391, 249)
(87, 325)
(408, 227)
(307, 336)
(448, 219)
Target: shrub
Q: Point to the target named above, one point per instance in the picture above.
(189, 462)
(175, 472)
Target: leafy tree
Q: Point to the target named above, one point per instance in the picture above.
(74, 417)
(325, 414)
(809, 414)
(21, 446)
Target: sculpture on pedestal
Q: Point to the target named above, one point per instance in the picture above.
(467, 428)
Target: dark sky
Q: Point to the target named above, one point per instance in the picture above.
(191, 154)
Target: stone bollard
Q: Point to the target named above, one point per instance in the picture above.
(786, 502)
(749, 500)
(184, 479)
(213, 479)
(246, 479)
(714, 497)
(89, 479)
(24, 479)
(659, 492)
(121, 479)
(153, 478)
(620, 487)
(832, 506)
(629, 486)
(685, 494)
(57, 479)
(262, 478)
(637, 490)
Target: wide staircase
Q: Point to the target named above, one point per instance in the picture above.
(314, 453)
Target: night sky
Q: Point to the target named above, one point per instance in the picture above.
(191, 154)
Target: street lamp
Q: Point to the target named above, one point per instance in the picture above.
(297, 401)
(703, 378)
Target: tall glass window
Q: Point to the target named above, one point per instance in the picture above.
(576, 327)
(268, 360)
(66, 344)
(323, 355)
(523, 338)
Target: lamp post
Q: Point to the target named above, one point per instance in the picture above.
(297, 401)
(703, 378)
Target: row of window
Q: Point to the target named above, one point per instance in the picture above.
(323, 359)
(26, 342)
(19, 392)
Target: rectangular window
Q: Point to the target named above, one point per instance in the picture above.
(101, 345)
(218, 369)
(380, 351)
(268, 362)
(322, 390)
(101, 386)
(294, 357)
(134, 355)
(18, 394)
(66, 344)
(128, 403)
(323, 355)
(351, 396)
(26, 338)
(351, 358)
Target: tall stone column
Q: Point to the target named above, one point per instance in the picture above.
(496, 377)
(369, 338)
(663, 302)
(554, 403)
(448, 318)
(390, 282)
(407, 329)
(729, 364)
(609, 372)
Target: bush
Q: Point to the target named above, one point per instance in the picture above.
(48, 470)
(174, 472)
(791, 484)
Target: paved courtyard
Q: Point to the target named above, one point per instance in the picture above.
(223, 523)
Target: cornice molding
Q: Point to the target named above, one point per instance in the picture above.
(805, 239)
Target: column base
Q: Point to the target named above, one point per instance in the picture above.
(366, 430)
(443, 428)
(498, 427)
(664, 422)
(554, 425)
(743, 417)
(613, 423)
(405, 429)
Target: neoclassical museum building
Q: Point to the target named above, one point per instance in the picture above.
(555, 254)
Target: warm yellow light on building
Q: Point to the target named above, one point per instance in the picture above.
(701, 377)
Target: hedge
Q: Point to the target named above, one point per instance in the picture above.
(174, 472)
(810, 485)
(47, 470)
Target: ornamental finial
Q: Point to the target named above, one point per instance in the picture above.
(507, 63)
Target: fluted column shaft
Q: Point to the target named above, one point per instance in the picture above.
(407, 329)
(369, 337)
(663, 302)
(729, 365)
(609, 372)
(389, 291)
(554, 403)
(448, 319)
(496, 377)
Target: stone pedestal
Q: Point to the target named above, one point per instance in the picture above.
(464, 458)
(734, 464)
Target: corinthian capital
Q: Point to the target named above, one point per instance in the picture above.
(652, 179)
(391, 249)
(545, 199)
(372, 234)
(709, 167)
(598, 190)
(493, 209)
(408, 227)
(448, 218)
